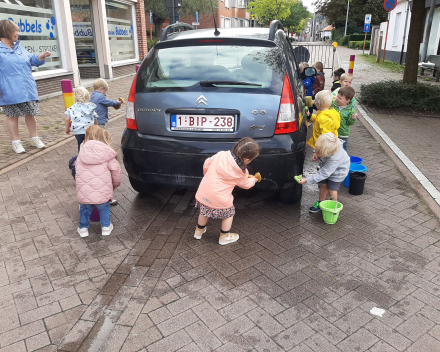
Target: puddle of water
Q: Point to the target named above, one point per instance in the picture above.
(110, 317)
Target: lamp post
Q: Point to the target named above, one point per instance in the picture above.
(346, 18)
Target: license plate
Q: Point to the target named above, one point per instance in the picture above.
(207, 123)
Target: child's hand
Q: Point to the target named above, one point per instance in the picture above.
(302, 181)
(354, 117)
(314, 158)
(67, 131)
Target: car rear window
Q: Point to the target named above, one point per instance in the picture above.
(184, 68)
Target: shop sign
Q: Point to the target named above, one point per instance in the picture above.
(82, 30)
(33, 26)
(38, 47)
(119, 30)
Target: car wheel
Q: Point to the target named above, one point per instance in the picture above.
(142, 187)
(292, 194)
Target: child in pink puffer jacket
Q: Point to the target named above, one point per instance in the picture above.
(97, 174)
(223, 172)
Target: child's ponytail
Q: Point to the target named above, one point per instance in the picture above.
(246, 148)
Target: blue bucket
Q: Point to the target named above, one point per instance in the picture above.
(354, 167)
(356, 160)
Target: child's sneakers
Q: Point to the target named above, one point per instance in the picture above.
(17, 147)
(199, 232)
(106, 231)
(315, 208)
(83, 232)
(226, 238)
(113, 202)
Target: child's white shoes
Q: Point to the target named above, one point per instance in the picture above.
(36, 141)
(17, 147)
(199, 232)
(226, 238)
(83, 232)
(106, 231)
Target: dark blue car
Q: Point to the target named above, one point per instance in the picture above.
(197, 93)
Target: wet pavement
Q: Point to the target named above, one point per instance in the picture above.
(291, 283)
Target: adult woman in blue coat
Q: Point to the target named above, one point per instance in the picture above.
(18, 89)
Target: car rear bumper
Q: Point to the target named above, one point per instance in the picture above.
(179, 162)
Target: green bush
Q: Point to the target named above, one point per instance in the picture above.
(396, 94)
(151, 42)
(359, 44)
(352, 45)
(359, 37)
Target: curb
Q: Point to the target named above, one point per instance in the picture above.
(57, 143)
(412, 174)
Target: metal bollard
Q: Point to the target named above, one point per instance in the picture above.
(67, 89)
(351, 65)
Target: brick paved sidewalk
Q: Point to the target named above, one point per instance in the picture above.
(414, 133)
(50, 125)
(291, 283)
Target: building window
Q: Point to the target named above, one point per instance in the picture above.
(39, 29)
(396, 28)
(121, 31)
(83, 32)
(227, 22)
(222, 21)
(227, 4)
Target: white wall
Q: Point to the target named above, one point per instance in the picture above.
(396, 46)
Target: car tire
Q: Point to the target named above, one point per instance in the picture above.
(142, 187)
(292, 194)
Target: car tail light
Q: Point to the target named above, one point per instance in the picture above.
(129, 112)
(286, 121)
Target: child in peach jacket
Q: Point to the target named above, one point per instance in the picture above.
(222, 172)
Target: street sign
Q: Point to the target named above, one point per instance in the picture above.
(366, 27)
(196, 23)
(197, 16)
(151, 17)
(389, 5)
(367, 18)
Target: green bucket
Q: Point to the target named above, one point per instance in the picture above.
(330, 210)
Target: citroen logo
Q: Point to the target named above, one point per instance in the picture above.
(202, 100)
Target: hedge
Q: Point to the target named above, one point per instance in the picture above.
(396, 94)
(359, 44)
(151, 42)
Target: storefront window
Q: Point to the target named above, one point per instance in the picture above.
(83, 32)
(120, 31)
(38, 28)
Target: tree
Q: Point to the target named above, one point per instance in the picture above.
(297, 18)
(161, 13)
(267, 10)
(414, 38)
(336, 10)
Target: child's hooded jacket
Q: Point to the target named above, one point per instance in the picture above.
(97, 173)
(346, 118)
(222, 174)
(324, 121)
(334, 168)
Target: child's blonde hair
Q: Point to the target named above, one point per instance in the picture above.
(246, 148)
(303, 65)
(100, 83)
(96, 133)
(81, 95)
(346, 77)
(324, 99)
(327, 144)
(319, 66)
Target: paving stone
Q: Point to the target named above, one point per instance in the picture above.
(361, 340)
(171, 343)
(293, 336)
(203, 337)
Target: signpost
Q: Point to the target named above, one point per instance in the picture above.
(388, 5)
(196, 23)
(367, 26)
(151, 24)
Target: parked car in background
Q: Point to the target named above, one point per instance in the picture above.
(197, 93)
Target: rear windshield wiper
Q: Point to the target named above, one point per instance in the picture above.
(212, 83)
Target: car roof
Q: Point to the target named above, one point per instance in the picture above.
(253, 33)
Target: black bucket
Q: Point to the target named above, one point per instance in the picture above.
(357, 182)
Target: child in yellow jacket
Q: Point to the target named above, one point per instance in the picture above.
(326, 119)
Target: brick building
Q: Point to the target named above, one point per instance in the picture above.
(88, 38)
(230, 14)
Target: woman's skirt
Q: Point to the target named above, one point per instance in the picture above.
(215, 213)
(22, 109)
